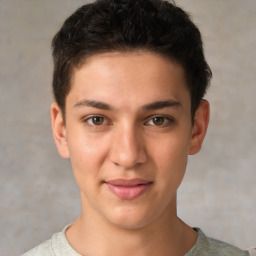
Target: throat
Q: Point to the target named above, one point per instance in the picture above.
(176, 240)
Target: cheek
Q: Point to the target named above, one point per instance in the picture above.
(171, 158)
(87, 154)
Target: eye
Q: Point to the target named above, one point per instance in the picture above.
(159, 121)
(96, 120)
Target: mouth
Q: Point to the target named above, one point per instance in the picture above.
(128, 189)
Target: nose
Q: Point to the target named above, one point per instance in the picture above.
(128, 148)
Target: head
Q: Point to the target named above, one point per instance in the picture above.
(129, 75)
(126, 26)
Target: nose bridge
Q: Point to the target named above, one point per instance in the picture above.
(128, 147)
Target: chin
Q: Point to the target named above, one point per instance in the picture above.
(130, 218)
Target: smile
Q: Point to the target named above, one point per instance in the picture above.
(128, 189)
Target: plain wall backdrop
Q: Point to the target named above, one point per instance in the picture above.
(39, 195)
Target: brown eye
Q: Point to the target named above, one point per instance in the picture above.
(161, 121)
(158, 120)
(96, 120)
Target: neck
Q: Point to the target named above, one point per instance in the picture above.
(91, 234)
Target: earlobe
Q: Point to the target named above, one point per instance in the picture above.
(59, 130)
(200, 125)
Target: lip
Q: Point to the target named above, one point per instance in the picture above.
(128, 189)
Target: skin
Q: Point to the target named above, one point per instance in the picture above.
(115, 130)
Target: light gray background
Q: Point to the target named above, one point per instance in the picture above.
(38, 192)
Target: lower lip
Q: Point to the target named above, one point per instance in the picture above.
(129, 193)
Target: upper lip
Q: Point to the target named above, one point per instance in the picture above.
(126, 182)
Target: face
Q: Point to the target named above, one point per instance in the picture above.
(128, 133)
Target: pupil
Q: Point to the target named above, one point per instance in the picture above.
(158, 120)
(97, 120)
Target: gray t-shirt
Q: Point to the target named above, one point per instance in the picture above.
(58, 246)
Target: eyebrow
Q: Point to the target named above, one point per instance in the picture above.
(151, 106)
(94, 104)
(161, 104)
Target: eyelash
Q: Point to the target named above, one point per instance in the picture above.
(166, 121)
(90, 118)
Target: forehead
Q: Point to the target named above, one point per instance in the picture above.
(147, 61)
(137, 76)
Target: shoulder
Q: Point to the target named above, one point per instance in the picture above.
(207, 246)
(43, 249)
(56, 246)
(221, 248)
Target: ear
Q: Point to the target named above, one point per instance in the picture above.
(59, 130)
(200, 125)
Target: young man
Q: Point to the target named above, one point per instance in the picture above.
(129, 80)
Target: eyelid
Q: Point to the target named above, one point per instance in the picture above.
(90, 117)
(168, 120)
